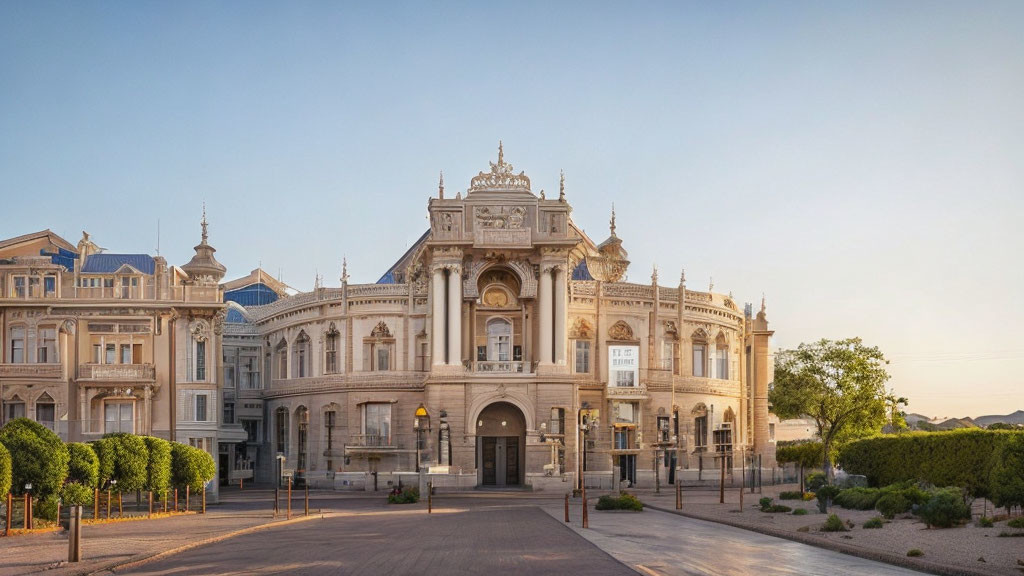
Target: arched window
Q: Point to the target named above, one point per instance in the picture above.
(46, 411)
(330, 423)
(721, 358)
(301, 354)
(499, 340)
(700, 427)
(281, 424)
(378, 349)
(14, 408)
(282, 359)
(302, 436)
(700, 353)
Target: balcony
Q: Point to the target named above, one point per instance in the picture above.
(242, 470)
(501, 367)
(31, 370)
(371, 444)
(117, 372)
(628, 392)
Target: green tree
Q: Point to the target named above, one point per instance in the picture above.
(84, 465)
(5, 471)
(158, 469)
(838, 384)
(191, 466)
(123, 457)
(37, 456)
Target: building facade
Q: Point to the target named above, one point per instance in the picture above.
(502, 349)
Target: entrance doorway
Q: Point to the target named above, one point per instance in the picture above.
(500, 445)
(627, 469)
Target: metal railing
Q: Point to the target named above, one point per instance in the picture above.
(499, 366)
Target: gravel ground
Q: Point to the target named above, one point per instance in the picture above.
(961, 548)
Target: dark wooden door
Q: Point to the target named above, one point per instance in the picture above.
(489, 460)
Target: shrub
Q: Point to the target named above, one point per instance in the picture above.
(37, 456)
(945, 508)
(825, 494)
(5, 470)
(191, 467)
(767, 506)
(875, 522)
(791, 495)
(964, 458)
(84, 465)
(914, 552)
(46, 508)
(765, 502)
(816, 480)
(800, 512)
(624, 501)
(834, 524)
(409, 495)
(1008, 473)
(857, 498)
(75, 494)
(158, 465)
(1016, 522)
(985, 522)
(1005, 534)
(123, 457)
(892, 504)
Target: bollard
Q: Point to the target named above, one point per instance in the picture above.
(306, 512)
(679, 494)
(277, 500)
(567, 507)
(175, 500)
(586, 521)
(241, 485)
(96, 503)
(165, 500)
(150, 503)
(289, 498)
(27, 508)
(204, 499)
(120, 509)
(108, 503)
(188, 492)
(58, 511)
(75, 534)
(10, 506)
(430, 497)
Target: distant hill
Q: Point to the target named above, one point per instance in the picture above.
(954, 423)
(1015, 418)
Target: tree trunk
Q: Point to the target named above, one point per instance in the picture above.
(827, 468)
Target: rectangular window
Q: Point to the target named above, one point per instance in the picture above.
(45, 415)
(582, 356)
(18, 344)
(19, 287)
(118, 417)
(624, 412)
(722, 360)
(13, 410)
(624, 379)
(383, 358)
(229, 376)
(136, 353)
(110, 354)
(771, 432)
(377, 424)
(33, 287)
(667, 355)
(332, 354)
(252, 431)
(97, 353)
(49, 286)
(557, 425)
(200, 361)
(108, 283)
(201, 401)
(282, 362)
(126, 353)
(698, 360)
(229, 412)
(664, 432)
(46, 341)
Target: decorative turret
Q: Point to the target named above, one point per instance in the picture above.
(203, 268)
(611, 261)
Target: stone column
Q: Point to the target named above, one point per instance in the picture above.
(455, 316)
(437, 337)
(545, 318)
(561, 314)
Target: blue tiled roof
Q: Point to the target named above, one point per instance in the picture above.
(256, 294)
(581, 272)
(389, 276)
(62, 257)
(110, 263)
(235, 317)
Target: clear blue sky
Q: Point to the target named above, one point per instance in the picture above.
(861, 163)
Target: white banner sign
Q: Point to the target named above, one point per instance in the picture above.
(623, 366)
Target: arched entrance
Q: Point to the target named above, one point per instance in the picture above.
(500, 445)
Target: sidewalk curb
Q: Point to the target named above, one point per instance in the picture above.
(893, 559)
(136, 562)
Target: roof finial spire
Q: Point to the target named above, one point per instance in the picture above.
(561, 186)
(762, 302)
(440, 186)
(711, 284)
(203, 223)
(654, 275)
(611, 223)
(682, 277)
(501, 153)
(344, 270)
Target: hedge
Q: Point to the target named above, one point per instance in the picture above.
(191, 466)
(123, 457)
(965, 458)
(5, 470)
(84, 466)
(1008, 473)
(807, 453)
(38, 456)
(158, 467)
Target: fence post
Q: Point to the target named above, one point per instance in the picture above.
(679, 493)
(204, 499)
(95, 503)
(567, 507)
(586, 520)
(27, 509)
(721, 484)
(175, 499)
(277, 500)
(120, 508)
(430, 497)
(307, 500)
(743, 478)
(289, 497)
(108, 503)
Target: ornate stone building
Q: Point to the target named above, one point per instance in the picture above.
(480, 353)
(98, 342)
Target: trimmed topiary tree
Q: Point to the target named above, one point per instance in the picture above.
(123, 457)
(804, 453)
(191, 466)
(1007, 485)
(84, 465)
(75, 494)
(37, 456)
(5, 470)
(158, 469)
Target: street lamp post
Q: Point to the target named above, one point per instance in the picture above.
(587, 426)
